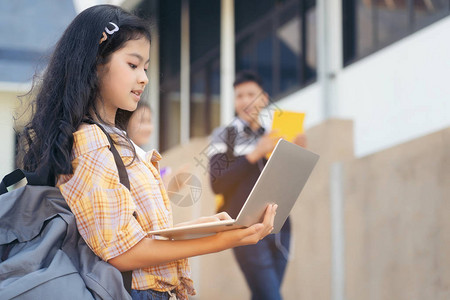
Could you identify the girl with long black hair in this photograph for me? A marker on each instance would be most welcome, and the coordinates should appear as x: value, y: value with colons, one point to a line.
x: 96, y: 77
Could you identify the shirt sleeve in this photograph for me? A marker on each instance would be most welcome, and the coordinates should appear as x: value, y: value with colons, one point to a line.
x: 102, y: 206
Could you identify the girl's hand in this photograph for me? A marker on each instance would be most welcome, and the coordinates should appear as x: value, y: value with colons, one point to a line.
x: 217, y: 217
x: 153, y: 252
x: 250, y: 235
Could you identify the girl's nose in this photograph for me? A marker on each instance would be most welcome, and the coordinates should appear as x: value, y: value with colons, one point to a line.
x: 143, y: 79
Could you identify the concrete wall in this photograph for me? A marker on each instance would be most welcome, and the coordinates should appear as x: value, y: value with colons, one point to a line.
x: 308, y: 274
x: 397, y: 225
x: 396, y: 231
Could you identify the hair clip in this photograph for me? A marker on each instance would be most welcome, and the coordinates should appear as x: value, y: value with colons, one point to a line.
x: 116, y: 28
x: 110, y: 32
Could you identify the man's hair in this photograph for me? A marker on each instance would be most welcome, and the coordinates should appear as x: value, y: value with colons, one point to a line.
x: 247, y: 76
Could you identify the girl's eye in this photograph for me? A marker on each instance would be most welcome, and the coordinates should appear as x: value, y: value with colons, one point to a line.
x: 132, y: 66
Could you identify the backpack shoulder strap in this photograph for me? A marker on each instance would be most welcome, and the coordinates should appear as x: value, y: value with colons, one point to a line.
x: 10, y: 179
x: 123, y: 175
x: 44, y: 177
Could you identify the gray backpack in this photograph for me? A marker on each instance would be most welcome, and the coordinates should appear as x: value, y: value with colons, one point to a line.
x: 42, y: 255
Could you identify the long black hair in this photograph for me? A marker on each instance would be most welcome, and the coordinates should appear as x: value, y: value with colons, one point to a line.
x: 69, y: 88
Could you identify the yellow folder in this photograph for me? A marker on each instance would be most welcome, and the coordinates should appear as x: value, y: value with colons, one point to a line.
x: 288, y: 124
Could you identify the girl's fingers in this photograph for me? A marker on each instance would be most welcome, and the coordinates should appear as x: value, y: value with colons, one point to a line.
x: 254, y: 233
x: 258, y: 231
x: 269, y: 219
x: 223, y: 216
x: 269, y: 216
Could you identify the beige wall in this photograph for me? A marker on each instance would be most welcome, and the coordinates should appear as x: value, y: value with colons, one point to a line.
x: 8, y: 101
x: 397, y: 225
x: 396, y: 234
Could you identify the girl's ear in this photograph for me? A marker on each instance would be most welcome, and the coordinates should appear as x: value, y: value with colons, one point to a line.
x: 101, y: 71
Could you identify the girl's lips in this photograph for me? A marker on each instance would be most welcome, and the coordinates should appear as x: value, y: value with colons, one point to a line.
x: 137, y: 94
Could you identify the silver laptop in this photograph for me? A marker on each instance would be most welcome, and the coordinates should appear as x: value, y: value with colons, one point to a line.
x: 280, y: 182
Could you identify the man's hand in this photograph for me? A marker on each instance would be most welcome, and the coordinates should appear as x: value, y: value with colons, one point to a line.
x: 265, y: 145
x: 300, y: 140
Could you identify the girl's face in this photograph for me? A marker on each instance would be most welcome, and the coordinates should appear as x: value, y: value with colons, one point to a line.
x: 123, y: 79
x: 140, y: 126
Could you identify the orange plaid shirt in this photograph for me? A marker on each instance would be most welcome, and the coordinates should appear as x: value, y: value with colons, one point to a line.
x: 104, y: 208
